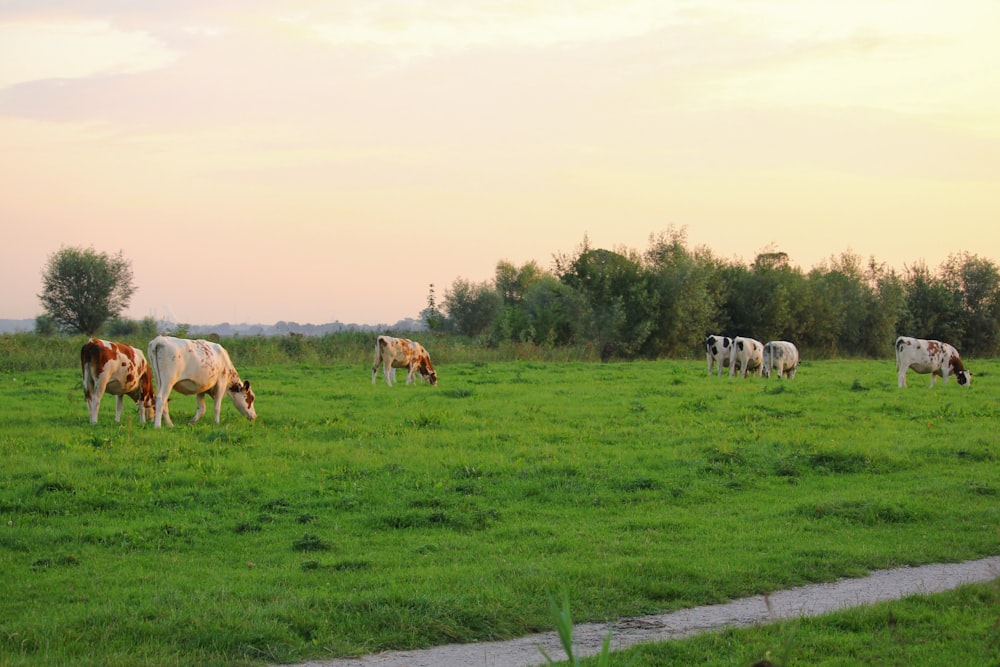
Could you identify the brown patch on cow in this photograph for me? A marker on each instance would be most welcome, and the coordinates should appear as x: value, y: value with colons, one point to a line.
x: 96, y: 354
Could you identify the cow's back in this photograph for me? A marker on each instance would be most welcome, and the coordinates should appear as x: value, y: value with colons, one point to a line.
x: 179, y: 359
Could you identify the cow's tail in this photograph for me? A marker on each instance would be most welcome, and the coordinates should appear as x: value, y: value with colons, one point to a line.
x: 88, y: 363
x: 153, y: 352
x: 379, y: 349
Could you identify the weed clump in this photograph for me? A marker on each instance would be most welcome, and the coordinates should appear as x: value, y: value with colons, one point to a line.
x: 309, y: 542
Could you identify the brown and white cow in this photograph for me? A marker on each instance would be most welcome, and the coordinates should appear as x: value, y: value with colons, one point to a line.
x: 781, y: 356
x: 929, y: 356
x: 747, y: 355
x: 395, y: 353
x: 717, y: 351
x: 117, y: 369
x: 196, y: 367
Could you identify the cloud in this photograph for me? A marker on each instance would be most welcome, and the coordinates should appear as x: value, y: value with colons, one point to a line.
x: 33, y: 51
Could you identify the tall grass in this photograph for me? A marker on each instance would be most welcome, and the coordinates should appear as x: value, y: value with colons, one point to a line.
x: 353, y: 517
x: 28, y: 351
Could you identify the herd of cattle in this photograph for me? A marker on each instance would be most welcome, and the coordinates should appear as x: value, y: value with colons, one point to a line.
x: 203, y: 368
x: 750, y: 356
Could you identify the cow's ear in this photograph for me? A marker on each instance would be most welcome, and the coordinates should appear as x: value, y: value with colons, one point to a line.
x: 246, y: 385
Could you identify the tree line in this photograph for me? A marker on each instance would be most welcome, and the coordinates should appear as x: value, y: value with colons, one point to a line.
x: 629, y: 304
x: 663, y: 301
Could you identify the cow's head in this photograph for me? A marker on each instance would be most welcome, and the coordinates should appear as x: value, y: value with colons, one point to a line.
x: 148, y: 407
x: 243, y: 398
x: 961, y: 374
x: 430, y: 374
x: 147, y: 399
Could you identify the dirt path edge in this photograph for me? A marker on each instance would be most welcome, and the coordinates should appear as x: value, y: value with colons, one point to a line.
x: 811, y: 600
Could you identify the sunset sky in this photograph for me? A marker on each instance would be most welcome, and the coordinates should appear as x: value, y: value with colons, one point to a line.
x: 318, y: 161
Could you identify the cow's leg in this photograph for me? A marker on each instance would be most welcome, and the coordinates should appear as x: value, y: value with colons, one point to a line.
x: 119, y: 406
x: 388, y: 372
x: 375, y: 366
x: 100, y: 387
x: 94, y: 403
x: 166, y: 414
x: 218, y: 405
x: 902, y: 378
x: 201, y: 409
x: 410, y: 371
x: 88, y: 396
x: 162, y: 394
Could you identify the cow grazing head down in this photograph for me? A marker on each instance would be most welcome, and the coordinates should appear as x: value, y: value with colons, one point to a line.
x: 117, y: 369
x: 929, y: 356
x: 394, y: 353
x: 243, y: 398
x: 717, y: 351
x: 198, y: 367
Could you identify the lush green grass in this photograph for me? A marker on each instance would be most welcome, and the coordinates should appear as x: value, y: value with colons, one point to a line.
x: 960, y: 627
x: 352, y: 518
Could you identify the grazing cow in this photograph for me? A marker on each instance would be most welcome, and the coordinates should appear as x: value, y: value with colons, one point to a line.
x: 717, y: 351
x: 781, y: 356
x: 117, y: 369
x: 929, y: 356
x: 747, y: 355
x: 395, y: 353
x: 196, y: 367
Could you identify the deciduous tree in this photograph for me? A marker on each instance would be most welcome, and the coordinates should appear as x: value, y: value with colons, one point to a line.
x: 83, y: 288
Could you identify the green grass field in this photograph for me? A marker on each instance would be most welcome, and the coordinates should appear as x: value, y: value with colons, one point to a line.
x: 352, y: 518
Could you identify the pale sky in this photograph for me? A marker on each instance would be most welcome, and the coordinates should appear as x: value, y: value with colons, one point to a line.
x: 310, y: 162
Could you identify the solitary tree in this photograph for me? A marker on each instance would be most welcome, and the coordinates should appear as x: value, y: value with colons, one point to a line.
x: 82, y: 288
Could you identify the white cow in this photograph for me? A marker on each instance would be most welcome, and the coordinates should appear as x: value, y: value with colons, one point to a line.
x: 395, y: 353
x: 781, y: 356
x: 117, y: 369
x: 717, y: 351
x: 747, y: 355
x: 196, y: 367
x: 929, y: 356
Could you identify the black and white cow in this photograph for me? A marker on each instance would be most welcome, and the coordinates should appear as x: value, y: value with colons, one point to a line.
x: 747, y: 355
x: 717, y: 351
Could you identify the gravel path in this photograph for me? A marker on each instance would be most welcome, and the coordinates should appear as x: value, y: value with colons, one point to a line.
x: 793, y: 603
